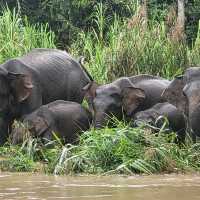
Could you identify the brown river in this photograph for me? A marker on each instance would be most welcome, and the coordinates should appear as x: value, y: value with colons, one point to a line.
x: 162, y: 187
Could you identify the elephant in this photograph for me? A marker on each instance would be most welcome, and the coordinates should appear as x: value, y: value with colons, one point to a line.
x: 156, y: 115
x: 66, y: 119
x: 183, y: 92
x: 37, y: 78
x: 123, y: 97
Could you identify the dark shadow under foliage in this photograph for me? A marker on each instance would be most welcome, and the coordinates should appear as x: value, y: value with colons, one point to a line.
x: 67, y: 18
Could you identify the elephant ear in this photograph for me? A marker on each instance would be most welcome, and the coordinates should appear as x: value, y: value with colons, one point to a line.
x: 21, y: 84
x: 40, y: 125
x: 43, y: 120
x: 192, y: 74
x: 131, y: 98
x: 174, y: 93
x: 90, y: 92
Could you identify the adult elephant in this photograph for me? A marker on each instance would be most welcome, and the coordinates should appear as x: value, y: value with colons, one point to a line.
x: 184, y: 93
x: 37, y: 78
x: 124, y: 97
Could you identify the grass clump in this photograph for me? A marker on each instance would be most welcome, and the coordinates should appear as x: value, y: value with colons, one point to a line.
x: 14, y: 159
x: 128, y: 151
x: 31, y: 156
x: 120, y: 150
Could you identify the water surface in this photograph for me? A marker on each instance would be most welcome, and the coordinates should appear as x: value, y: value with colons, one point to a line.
x: 162, y: 187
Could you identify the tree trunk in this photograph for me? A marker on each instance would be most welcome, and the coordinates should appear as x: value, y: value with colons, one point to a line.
x: 181, y: 14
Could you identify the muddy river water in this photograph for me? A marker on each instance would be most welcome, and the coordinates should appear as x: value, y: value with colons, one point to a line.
x: 162, y: 187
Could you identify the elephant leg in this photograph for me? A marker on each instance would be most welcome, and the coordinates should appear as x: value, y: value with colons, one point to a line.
x: 193, y: 136
x: 191, y: 132
x: 4, y: 130
x: 180, y: 137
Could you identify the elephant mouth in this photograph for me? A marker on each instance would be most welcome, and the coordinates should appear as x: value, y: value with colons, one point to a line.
x: 36, y: 134
x: 106, y: 120
x: 101, y: 123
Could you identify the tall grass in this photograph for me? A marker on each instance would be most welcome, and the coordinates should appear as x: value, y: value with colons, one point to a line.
x: 147, y: 51
x: 130, y: 47
x: 17, y: 36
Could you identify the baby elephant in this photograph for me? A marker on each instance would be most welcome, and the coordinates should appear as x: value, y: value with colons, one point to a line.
x: 156, y: 116
x: 67, y: 119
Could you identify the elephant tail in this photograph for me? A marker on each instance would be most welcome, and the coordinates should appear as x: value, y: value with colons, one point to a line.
x: 81, y: 62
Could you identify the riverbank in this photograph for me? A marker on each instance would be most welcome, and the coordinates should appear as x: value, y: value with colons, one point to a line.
x: 121, y: 150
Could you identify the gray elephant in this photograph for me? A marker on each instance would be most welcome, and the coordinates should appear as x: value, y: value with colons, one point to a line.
x: 184, y: 93
x: 156, y: 116
x: 37, y: 78
x: 123, y: 97
x: 67, y: 119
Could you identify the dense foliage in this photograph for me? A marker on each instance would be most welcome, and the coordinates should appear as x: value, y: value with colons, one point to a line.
x: 67, y: 18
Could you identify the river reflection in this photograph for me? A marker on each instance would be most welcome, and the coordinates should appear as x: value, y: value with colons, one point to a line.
x: 164, y: 187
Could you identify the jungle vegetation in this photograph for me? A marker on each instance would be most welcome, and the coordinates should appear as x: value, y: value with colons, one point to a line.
x: 117, y: 38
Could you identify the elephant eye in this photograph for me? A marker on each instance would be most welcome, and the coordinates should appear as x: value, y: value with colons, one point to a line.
x: 115, y: 95
x: 3, y: 95
x: 113, y: 106
x: 31, y: 129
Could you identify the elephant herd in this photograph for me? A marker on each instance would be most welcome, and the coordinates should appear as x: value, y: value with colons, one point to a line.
x: 43, y: 90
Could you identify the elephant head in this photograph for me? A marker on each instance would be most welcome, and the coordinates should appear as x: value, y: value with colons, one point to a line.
x: 40, y: 123
x: 184, y: 93
x: 145, y: 117
x: 174, y: 93
x: 114, y: 99
x: 14, y: 88
x: 37, y: 125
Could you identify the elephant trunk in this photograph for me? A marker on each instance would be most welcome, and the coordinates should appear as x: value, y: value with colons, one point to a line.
x: 194, y: 117
x: 100, y: 120
x: 19, y: 133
